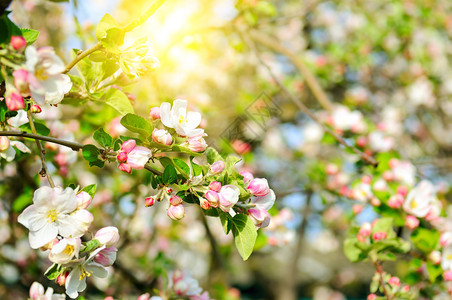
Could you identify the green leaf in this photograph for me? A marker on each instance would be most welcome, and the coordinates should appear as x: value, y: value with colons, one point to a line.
x: 231, y: 160
x: 137, y: 124
x: 103, y: 138
x: 29, y: 35
x: 433, y: 271
x: 90, y: 153
x: 23, y: 200
x: 182, y: 167
x: 52, y: 272
x: 40, y: 128
x: 98, y: 56
x: 119, y: 101
x: 212, y: 155
x: 385, y: 225
x: 107, y: 22
x: 424, y: 239
x: 352, y: 252
x: 165, y: 161
x: 90, y: 189
x: 227, y: 225
x: 8, y: 29
x: 245, y: 234
x: 91, y: 245
x: 114, y: 38
x: 197, y: 170
x: 169, y: 175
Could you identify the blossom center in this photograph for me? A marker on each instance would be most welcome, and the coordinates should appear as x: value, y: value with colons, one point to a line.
x: 449, y: 257
x: 413, y: 204
x: 68, y: 250
x: 182, y: 119
x: 41, y: 74
x: 84, y: 273
x: 52, y: 215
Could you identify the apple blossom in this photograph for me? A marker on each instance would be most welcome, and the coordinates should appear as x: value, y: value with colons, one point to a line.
x: 372, y: 297
x: 217, y: 167
x: 37, y: 293
x: 446, y: 260
x: 357, y: 208
x: 419, y: 200
x: 83, y: 200
x: 362, y: 192
x: 149, y: 201
x: 14, y: 100
x: 185, y: 285
x: 380, y: 235
x: 175, y: 200
x: 259, y: 213
x: 258, y: 187
x: 177, y: 117
x: 161, y: 136
x: 247, y: 176
x: 215, y: 186
x: 61, y: 279
x: 395, y: 201
x: 65, y: 250
x: 229, y: 195
x: 18, y: 42
x: 46, y: 83
x: 196, y: 143
x: 176, y: 212
x: 435, y: 257
x: 21, y: 82
x: 411, y: 222
x: 213, y: 198
x: 364, y: 231
x: 204, y: 203
x: 445, y: 239
x: 394, y: 281
x: 447, y: 275
x: 106, y: 257
x: 51, y: 214
x: 107, y: 236
x: 35, y: 109
x: 154, y: 113
x: 132, y: 156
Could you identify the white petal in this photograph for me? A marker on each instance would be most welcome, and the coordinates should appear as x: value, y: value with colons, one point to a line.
x: 69, y: 227
x: 193, y: 119
x: 19, y: 119
x: 265, y: 202
x: 32, y: 58
x: 73, y: 282
x: 42, y: 195
x: 20, y: 146
x: 193, y: 132
x: 165, y: 114
x: 24, y: 217
x: 43, y: 236
x: 97, y: 269
x: 9, y: 154
x: 65, y: 201
x: 179, y: 108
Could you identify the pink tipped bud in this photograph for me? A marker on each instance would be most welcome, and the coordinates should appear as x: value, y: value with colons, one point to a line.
x: 361, y: 141
x: 402, y: 190
x: 154, y: 113
x: 4, y: 143
x: 175, y: 200
x: 357, y: 208
x: 406, y: 288
x: 106, y: 257
x: 144, y: 297
x: 21, y: 81
x: 447, y: 276
x: 395, y: 201
x: 371, y: 297
x: 61, y: 279
x: 161, y: 136
x: 445, y: 239
x: 149, y: 201
x: 375, y: 201
x: 247, y: 176
x: 128, y: 146
x: 394, y: 281
x: 83, y: 200
x: 365, y: 230
x: 366, y: 179
x: 435, y: 257
x: 125, y: 168
x: 176, y: 212
x: 196, y: 143
x: 35, y: 109
x: 215, y: 186
x: 411, y: 222
x: 213, y: 198
x: 14, y: 100
x: 18, y: 43
x: 388, y: 176
x: 380, y: 235
x: 331, y: 169
x: 204, y: 203
x: 217, y: 167
x: 258, y: 187
x: 107, y: 236
x: 122, y: 157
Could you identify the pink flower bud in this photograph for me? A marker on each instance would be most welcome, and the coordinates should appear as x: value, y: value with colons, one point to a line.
x: 149, y: 201
x: 196, y: 143
x: 83, y: 200
x: 161, y: 136
x: 176, y: 212
x: 213, y: 198
x: 215, y: 186
x: 14, y: 100
x: 366, y: 179
x: 217, y: 167
x: 331, y: 169
x: 258, y: 187
x: 357, y: 208
x: 107, y: 236
x: 394, y: 281
x: 447, y: 276
x: 18, y: 43
x: 4, y: 143
x: 204, y: 203
x: 406, y: 288
x: 445, y: 239
x: 106, y: 257
x: 435, y: 257
x: 36, y: 291
x: 122, y: 157
x: 375, y: 201
x: 365, y: 230
x: 380, y: 235
x: 260, y: 217
x: 154, y: 113
x: 175, y: 200
x: 128, y: 145
x: 125, y: 168
x: 21, y: 81
x: 402, y: 190
x: 35, y: 109
x: 361, y: 141
x: 395, y: 201
x: 247, y: 176
x: 388, y: 176
x: 411, y: 222
x: 144, y: 297
x: 61, y: 279
x: 372, y: 297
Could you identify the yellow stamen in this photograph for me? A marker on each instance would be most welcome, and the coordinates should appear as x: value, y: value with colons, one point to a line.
x: 449, y: 257
x: 84, y: 274
x: 52, y: 215
x: 413, y: 204
x: 68, y: 250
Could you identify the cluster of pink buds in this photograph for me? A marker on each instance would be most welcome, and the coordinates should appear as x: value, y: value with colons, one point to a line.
x: 175, y: 210
x: 131, y: 156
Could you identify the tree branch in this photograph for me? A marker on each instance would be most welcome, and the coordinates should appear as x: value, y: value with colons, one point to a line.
x: 73, y: 145
x: 81, y: 55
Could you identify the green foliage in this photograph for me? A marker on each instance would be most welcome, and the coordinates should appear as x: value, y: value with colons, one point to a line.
x: 40, y: 128
x: 91, y: 154
x: 425, y: 240
x: 137, y: 124
x: 212, y: 155
x: 182, y: 167
x: 29, y: 35
x: 53, y: 271
x: 8, y: 29
x: 109, y: 33
x: 103, y: 138
x: 90, y: 189
x: 119, y: 101
x: 90, y: 246
x: 169, y: 175
x: 245, y: 234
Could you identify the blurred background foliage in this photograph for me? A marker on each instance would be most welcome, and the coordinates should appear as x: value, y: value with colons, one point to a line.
x: 388, y: 59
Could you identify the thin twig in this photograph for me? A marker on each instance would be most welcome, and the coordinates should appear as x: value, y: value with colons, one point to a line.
x: 382, y: 282
x: 306, y: 110
x: 73, y: 145
x: 81, y: 55
x: 151, y: 169
x: 312, y: 82
x: 44, y: 170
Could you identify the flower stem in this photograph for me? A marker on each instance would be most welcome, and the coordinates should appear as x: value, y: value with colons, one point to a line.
x: 44, y: 171
x: 82, y: 55
x: 74, y: 146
